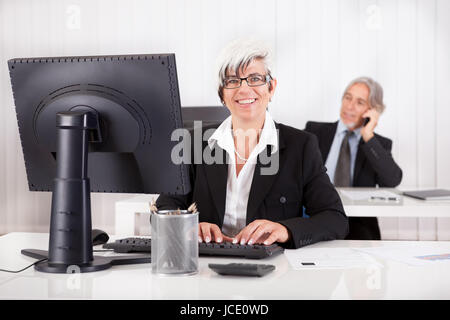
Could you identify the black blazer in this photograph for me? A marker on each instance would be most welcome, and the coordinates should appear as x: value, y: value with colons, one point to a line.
x: 301, y: 180
x: 374, y: 165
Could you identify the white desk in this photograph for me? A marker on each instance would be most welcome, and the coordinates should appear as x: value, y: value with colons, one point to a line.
x: 394, y: 280
x: 129, y: 211
x: 407, y: 207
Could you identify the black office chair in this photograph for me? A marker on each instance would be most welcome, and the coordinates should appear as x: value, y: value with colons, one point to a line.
x: 208, y: 115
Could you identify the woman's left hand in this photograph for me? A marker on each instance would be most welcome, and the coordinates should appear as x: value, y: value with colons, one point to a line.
x: 262, y: 232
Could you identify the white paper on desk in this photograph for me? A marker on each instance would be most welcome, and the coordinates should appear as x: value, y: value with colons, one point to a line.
x: 414, y: 255
x: 300, y: 259
x: 359, y: 195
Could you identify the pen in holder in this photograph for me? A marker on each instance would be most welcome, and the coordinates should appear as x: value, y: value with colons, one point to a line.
x: 174, y: 243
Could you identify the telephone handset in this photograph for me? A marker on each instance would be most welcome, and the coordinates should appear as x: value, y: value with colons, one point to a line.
x: 366, y: 121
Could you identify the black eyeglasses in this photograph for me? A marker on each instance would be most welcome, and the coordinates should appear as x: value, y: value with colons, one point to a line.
x: 253, y: 80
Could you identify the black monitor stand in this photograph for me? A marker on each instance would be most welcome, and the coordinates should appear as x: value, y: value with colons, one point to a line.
x: 70, y: 242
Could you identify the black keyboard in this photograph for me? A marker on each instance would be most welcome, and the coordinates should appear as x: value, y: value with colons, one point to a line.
x: 255, y: 251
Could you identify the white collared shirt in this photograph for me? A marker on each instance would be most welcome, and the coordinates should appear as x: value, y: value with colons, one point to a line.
x: 238, y: 188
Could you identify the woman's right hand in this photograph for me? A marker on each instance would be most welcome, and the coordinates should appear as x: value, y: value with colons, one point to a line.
x: 208, y: 232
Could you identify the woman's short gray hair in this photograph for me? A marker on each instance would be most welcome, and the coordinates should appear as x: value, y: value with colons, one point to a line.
x: 237, y: 55
x: 375, y: 92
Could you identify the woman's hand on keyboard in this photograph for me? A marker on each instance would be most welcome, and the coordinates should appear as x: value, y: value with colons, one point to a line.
x: 208, y: 232
x: 262, y: 232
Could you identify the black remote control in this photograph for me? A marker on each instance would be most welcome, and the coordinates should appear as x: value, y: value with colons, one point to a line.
x: 242, y: 269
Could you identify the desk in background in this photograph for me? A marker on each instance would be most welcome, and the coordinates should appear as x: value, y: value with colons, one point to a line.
x: 389, y: 280
x: 130, y: 212
x: 407, y: 207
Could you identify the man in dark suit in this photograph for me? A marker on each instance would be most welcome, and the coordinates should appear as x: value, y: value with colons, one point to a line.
x: 252, y: 176
x: 355, y: 156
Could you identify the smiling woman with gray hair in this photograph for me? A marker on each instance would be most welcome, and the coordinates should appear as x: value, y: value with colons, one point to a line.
x: 237, y: 199
x: 240, y: 53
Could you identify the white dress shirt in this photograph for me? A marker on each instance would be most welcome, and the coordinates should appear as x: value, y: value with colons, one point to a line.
x: 238, y: 187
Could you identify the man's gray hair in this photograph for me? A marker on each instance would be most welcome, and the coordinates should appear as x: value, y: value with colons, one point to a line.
x: 375, y: 92
x: 237, y: 55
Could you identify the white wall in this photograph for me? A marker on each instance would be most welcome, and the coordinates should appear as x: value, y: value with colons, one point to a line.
x: 319, y: 46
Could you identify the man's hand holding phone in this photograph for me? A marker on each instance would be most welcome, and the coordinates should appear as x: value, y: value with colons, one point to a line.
x: 367, y: 129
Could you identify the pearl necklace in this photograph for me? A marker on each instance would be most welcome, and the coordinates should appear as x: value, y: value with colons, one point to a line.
x: 239, y: 156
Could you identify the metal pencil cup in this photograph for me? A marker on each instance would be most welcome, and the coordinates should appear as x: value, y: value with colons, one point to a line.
x: 174, y: 242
